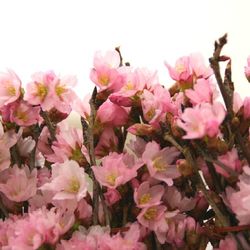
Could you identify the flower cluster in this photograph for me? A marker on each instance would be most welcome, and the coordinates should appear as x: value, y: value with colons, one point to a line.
x: 150, y: 167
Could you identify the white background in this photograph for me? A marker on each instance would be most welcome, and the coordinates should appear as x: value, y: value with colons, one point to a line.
x: 63, y: 35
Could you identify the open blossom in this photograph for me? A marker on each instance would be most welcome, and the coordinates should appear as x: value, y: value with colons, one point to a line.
x: 149, y: 217
x: 146, y: 196
x: 136, y: 81
x: 117, y: 169
x: 68, y: 145
x: 203, y: 91
x: 39, y: 91
x: 105, y: 73
x: 68, y: 181
x: 160, y: 162
x: 24, y: 114
x: 156, y: 104
x: 10, y: 88
x: 18, y: 184
x: 63, y: 94
x: 231, y: 160
x: 201, y: 120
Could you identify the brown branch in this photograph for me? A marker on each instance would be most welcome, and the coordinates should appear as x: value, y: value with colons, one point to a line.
x: 120, y: 55
x: 187, y: 154
x: 51, y: 127
x: 88, y: 137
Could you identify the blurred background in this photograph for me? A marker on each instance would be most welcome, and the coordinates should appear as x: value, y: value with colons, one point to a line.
x: 63, y: 35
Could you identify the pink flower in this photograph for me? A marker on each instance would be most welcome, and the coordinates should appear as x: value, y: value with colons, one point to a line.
x: 182, y: 70
x: 115, y: 170
x: 18, y: 184
x: 112, y: 114
x: 160, y: 162
x: 84, y: 210
x: 68, y: 181
x: 136, y: 82
x: 231, y: 160
x: 247, y: 69
x: 237, y: 102
x: 105, y: 73
x: 112, y: 196
x: 67, y: 146
x: 202, y: 120
x: 202, y: 92
x: 239, y: 201
x: 146, y: 196
x: 227, y: 244
x: 156, y: 104
x: 39, y: 91
x: 24, y: 114
x: 149, y: 217
x: 62, y: 92
x: 10, y: 88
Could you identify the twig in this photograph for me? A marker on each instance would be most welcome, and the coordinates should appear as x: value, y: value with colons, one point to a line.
x: 50, y: 125
x: 3, y: 209
x: 15, y: 155
x: 227, y: 88
x: 88, y: 137
x: 120, y: 55
x: 187, y: 154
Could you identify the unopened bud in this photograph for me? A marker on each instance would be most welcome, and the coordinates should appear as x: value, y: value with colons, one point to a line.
x: 184, y: 168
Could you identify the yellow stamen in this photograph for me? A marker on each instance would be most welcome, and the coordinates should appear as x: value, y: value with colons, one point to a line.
x: 150, y: 214
x: 42, y: 91
x: 60, y: 90
x: 111, y: 179
x: 74, y: 186
x: 104, y: 80
x: 145, y: 199
x: 11, y: 91
x: 159, y: 164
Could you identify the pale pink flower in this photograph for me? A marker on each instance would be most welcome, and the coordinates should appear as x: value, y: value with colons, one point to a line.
x: 24, y: 114
x: 231, y: 160
x: 112, y: 196
x: 197, y: 63
x: 105, y: 73
x: 160, y: 162
x: 67, y: 146
x: 108, y: 142
x: 10, y: 87
x: 156, y: 104
x: 174, y: 200
x: 237, y: 102
x: 182, y: 70
x: 68, y: 181
x: 4, y: 156
x: 141, y: 129
x: 228, y: 243
x: 137, y: 146
x: 149, y: 217
x: 62, y: 92
x: 146, y: 196
x: 201, y: 92
x: 114, y: 170
x: 136, y: 82
x: 247, y: 69
x: 111, y: 114
x: 25, y: 145
x: 84, y: 210
x: 239, y: 201
x: 18, y: 184
x: 201, y: 120
x: 39, y: 91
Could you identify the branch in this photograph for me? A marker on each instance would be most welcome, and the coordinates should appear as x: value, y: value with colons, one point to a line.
x: 49, y: 124
x: 88, y: 137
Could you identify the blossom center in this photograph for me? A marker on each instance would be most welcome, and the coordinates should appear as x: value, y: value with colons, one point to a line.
x: 104, y: 80
x: 74, y: 186
x: 111, y: 179
x: 145, y: 198
x: 159, y: 164
x: 60, y: 90
x: 11, y: 91
x: 21, y: 115
x: 150, y: 214
x: 42, y: 91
